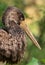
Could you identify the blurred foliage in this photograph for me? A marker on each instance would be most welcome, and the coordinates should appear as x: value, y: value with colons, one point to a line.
x: 34, y: 12
x: 33, y: 61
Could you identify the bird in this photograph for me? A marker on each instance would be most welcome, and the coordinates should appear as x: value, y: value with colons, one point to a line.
x: 12, y: 36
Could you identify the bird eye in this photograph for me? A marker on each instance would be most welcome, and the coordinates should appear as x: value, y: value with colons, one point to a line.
x: 21, y: 17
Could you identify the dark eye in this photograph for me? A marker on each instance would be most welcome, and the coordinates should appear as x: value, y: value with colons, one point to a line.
x: 21, y: 17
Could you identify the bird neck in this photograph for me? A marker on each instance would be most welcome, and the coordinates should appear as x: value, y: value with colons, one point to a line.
x: 14, y: 29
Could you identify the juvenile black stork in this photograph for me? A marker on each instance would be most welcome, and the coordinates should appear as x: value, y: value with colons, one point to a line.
x: 12, y: 37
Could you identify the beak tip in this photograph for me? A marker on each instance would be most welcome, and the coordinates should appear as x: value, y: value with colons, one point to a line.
x: 39, y: 47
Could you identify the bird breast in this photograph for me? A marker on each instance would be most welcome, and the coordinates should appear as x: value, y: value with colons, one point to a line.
x: 12, y: 47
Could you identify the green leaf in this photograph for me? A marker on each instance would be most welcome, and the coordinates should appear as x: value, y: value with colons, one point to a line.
x: 34, y: 61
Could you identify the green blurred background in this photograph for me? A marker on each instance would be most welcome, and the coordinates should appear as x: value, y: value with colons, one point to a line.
x: 34, y: 12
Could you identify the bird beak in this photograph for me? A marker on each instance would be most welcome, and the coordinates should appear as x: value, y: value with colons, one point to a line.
x: 29, y: 33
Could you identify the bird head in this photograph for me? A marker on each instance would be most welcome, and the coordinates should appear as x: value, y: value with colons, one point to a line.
x: 12, y: 14
x: 15, y: 15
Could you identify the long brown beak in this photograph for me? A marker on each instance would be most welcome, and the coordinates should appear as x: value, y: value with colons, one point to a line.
x: 30, y: 35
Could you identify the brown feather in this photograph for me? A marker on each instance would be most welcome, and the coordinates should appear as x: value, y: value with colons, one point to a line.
x: 11, y: 47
